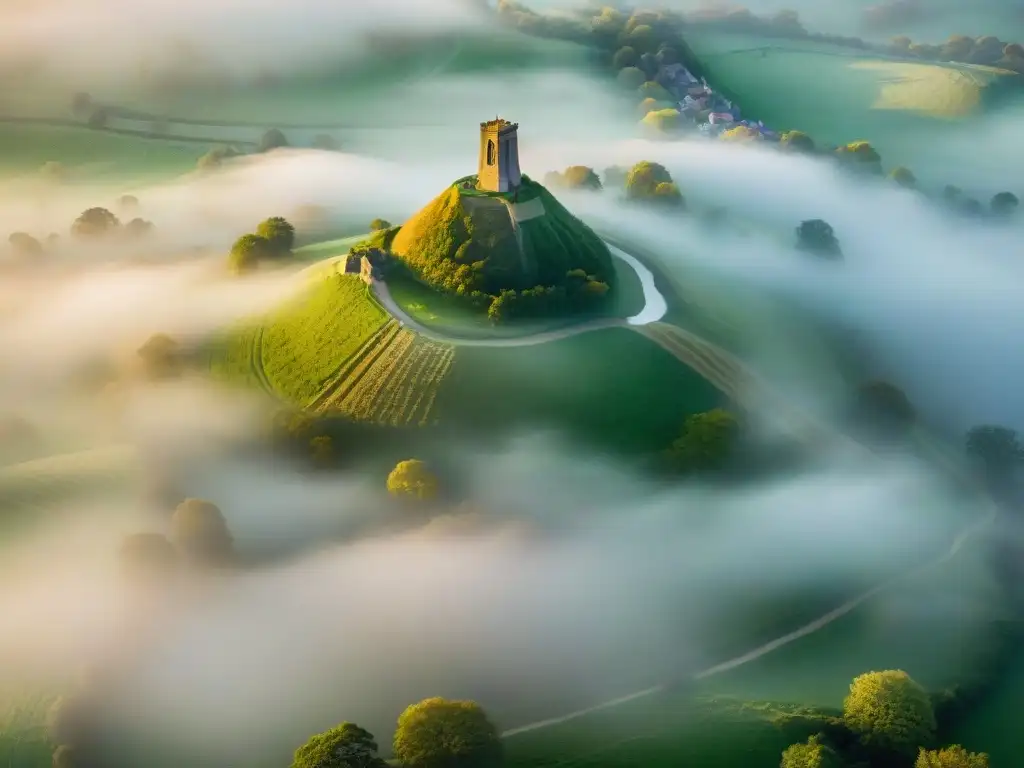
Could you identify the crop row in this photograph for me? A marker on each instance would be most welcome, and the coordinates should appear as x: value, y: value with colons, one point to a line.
x: 408, y: 398
x: 361, y: 394
x: 354, y: 367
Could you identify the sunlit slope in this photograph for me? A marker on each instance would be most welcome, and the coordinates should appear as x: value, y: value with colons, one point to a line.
x: 334, y: 351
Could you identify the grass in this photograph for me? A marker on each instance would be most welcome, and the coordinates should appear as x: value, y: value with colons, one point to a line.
x: 668, y: 729
x: 994, y: 725
x: 936, y: 91
x: 24, y: 742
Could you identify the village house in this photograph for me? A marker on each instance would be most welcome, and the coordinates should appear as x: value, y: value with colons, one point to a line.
x: 369, y: 264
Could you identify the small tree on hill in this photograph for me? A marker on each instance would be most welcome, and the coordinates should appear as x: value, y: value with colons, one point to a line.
x: 379, y: 224
x: 904, y: 177
x: 580, y: 177
x: 644, y: 177
x: 813, y: 753
x: 412, y: 479
x: 890, y: 712
x: 951, y: 757
x: 797, y: 141
x: 279, y: 234
x: 439, y: 733
x: 667, y: 194
x: 708, y: 441
x: 247, y: 252
x: 663, y: 121
x: 99, y: 118
x: 95, y: 222
x: 1004, y: 203
x: 23, y: 244
x: 201, y: 533
x: 817, y: 236
x: 860, y: 155
x: 272, y: 139
x: 344, y: 746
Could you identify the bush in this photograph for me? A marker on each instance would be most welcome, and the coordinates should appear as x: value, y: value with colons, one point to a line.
x: 708, y: 441
x: 817, y: 236
x: 643, y: 178
x: 631, y: 77
x: 664, y: 121
x: 860, y: 155
x: 201, y: 533
x: 666, y: 193
x: 904, y: 177
x: 247, y: 252
x: 574, y: 177
x: 625, y: 57
x: 279, y: 234
x: 890, y: 712
x: 1004, y: 203
x: 326, y: 142
x: 741, y: 134
x: 272, y: 139
x: 439, y: 733
x: 813, y: 753
x: 951, y: 757
x: 23, y: 244
x: 653, y: 90
x: 95, y: 222
x: 412, y: 479
x: 344, y: 746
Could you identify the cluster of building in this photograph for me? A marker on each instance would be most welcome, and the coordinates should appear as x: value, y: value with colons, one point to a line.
x: 709, y: 111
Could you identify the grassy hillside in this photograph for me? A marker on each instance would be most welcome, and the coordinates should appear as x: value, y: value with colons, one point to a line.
x: 461, y: 234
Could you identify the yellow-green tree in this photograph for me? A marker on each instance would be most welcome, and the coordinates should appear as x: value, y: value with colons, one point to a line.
x: 247, y: 252
x: 279, y: 234
x: 797, y: 141
x: 707, y: 442
x: 904, y: 177
x: 412, y: 479
x: 663, y: 120
x: 344, y: 746
x: 951, y: 757
x: 440, y: 733
x: 889, y: 711
x: 741, y: 133
x: 813, y: 753
x: 644, y: 177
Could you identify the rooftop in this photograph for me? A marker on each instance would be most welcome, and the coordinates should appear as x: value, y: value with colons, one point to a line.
x: 500, y: 123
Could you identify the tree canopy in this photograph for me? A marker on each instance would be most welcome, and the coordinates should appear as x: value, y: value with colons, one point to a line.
x: 643, y: 179
x: 813, y: 753
x: 625, y: 57
x: 343, y: 746
x: 279, y: 234
x: 904, y: 177
x: 884, y: 409
x: 889, y: 711
x: 201, y: 532
x: 707, y: 442
x: 632, y: 77
x: 379, y: 224
x: 997, y: 448
x: 95, y: 222
x: 951, y: 757
x: 272, y: 139
x: 575, y: 177
x: 412, y: 479
x: 161, y: 356
x: 1004, y: 203
x: 797, y: 141
x: 247, y: 252
x: 817, y: 236
x: 23, y: 244
x: 440, y: 733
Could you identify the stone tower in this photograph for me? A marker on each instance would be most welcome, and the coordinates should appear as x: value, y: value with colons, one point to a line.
x: 499, y: 156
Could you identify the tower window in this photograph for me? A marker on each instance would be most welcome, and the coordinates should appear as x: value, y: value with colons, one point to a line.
x: 490, y: 152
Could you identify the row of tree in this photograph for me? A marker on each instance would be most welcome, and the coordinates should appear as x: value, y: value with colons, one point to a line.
x: 273, y: 239
x: 93, y: 224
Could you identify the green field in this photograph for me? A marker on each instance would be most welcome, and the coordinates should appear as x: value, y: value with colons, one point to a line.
x: 24, y: 742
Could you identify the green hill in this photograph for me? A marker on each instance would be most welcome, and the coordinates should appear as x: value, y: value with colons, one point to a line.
x: 465, y: 240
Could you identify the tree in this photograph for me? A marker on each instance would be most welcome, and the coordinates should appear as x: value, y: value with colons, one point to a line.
x: 741, y: 134
x: 653, y: 90
x: 379, y: 224
x: 707, y: 442
x: 860, y: 155
x: 997, y: 449
x: 321, y: 450
x: 884, y: 409
x: 625, y: 57
x: 642, y: 38
x: 95, y: 222
x: 215, y: 157
x: 146, y: 555
x: 247, y: 252
x: 439, y: 733
x: 664, y: 121
x: 951, y: 757
x: 817, y: 236
x: 1014, y: 51
x: 580, y: 177
x: 631, y: 77
x: 812, y: 753
x: 128, y: 203
x: 890, y: 712
x: 412, y: 479
x: 343, y: 746
x: 201, y: 533
x: 666, y: 193
x: 161, y: 357
x: 1004, y: 203
x: 904, y: 177
x: 643, y: 178
x: 279, y: 234
x: 272, y: 139
x: 952, y: 194
x: 326, y: 142
x: 23, y: 244
x: 138, y: 228
x: 66, y: 756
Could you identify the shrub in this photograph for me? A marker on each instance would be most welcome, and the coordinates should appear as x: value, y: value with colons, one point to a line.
x: 811, y: 754
x: 631, y: 77
x: 344, y: 746
x: 642, y: 37
x: 247, y: 252
x: 644, y: 177
x: 279, y: 234
x: 708, y: 441
x: 653, y: 90
x: 951, y: 757
x: 904, y: 177
x: 1004, y: 203
x: 272, y: 139
x: 412, y: 479
x: 664, y: 121
x: 741, y: 134
x: 890, y: 712
x: 667, y: 193
x: 817, y: 236
x: 201, y: 533
x: 860, y: 155
x: 95, y: 222
x: 23, y: 244
x: 625, y: 57
x: 439, y: 733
